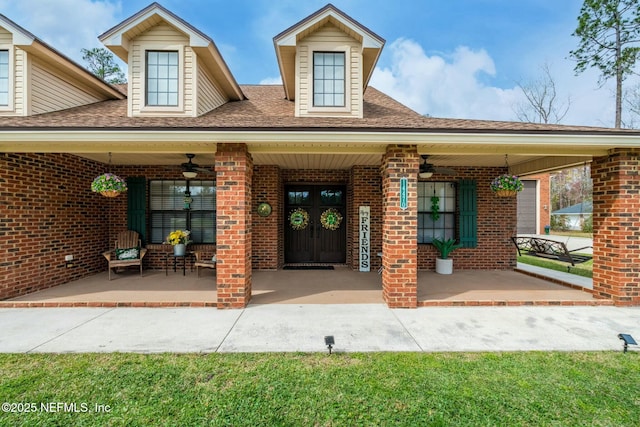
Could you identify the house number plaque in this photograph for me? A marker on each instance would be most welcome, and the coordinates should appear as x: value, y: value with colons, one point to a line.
x: 403, y: 193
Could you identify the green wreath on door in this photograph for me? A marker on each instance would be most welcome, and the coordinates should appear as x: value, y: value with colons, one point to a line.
x: 331, y: 219
x: 299, y: 219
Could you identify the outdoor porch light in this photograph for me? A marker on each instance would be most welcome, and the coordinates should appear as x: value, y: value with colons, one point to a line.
x: 628, y: 340
x: 189, y: 174
x: 329, y: 342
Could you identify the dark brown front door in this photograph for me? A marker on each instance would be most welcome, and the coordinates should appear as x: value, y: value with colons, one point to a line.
x: 307, y: 239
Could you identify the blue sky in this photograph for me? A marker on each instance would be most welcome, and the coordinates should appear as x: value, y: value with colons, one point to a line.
x: 445, y: 58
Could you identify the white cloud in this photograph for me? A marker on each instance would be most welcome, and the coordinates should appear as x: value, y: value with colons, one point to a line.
x: 271, y: 81
x: 444, y: 86
x: 454, y: 85
x: 66, y: 25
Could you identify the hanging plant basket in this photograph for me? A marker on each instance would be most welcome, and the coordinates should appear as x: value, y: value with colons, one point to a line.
x: 331, y: 219
x: 109, y: 185
x: 299, y: 219
x: 506, y: 185
x: 110, y: 193
x: 506, y: 193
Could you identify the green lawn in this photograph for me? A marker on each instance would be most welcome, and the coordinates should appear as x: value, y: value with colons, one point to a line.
x: 584, y: 269
x: 474, y: 389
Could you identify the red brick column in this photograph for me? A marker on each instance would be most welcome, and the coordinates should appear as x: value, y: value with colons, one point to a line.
x: 616, y: 226
x: 400, y: 228
x: 234, y: 171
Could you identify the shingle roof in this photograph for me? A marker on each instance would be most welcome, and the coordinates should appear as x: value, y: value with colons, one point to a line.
x: 580, y: 208
x: 267, y: 109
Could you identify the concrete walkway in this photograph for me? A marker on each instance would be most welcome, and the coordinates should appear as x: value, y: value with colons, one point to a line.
x: 296, y: 327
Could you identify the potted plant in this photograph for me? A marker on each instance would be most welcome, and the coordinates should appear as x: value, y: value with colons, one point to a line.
x: 179, y: 239
x: 506, y: 185
x: 109, y: 185
x: 444, y: 265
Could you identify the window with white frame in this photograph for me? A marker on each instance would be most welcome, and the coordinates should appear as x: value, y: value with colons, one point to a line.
x: 436, y: 211
x: 183, y: 205
x: 329, y: 79
x: 162, y: 78
x: 4, y: 78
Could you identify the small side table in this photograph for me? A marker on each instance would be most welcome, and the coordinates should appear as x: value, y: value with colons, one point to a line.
x: 184, y: 257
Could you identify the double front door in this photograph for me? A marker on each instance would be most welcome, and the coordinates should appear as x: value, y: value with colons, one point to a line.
x: 315, y: 224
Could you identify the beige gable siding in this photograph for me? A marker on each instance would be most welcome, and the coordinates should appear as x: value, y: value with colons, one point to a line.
x: 49, y: 91
x: 6, y: 37
x: 19, y: 83
x: 160, y: 37
x: 328, y: 38
x: 209, y: 95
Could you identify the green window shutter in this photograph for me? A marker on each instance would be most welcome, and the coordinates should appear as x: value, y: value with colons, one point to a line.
x: 468, y: 208
x: 136, y: 205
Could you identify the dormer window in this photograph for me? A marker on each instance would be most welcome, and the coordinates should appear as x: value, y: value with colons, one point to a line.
x: 162, y: 78
x: 328, y: 79
x: 4, y: 78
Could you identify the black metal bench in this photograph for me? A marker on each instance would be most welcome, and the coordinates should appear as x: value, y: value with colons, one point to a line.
x: 551, y: 249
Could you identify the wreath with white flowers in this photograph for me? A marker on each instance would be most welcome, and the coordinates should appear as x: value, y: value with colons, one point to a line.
x: 299, y: 219
x: 331, y: 219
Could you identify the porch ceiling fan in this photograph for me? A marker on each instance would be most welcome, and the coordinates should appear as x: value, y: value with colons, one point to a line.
x: 428, y: 169
x: 190, y: 170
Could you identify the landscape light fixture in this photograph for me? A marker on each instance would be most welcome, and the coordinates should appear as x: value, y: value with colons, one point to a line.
x: 329, y: 342
x: 628, y: 340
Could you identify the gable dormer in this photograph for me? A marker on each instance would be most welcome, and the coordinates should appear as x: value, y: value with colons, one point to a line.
x: 173, y: 68
x: 36, y: 79
x: 326, y: 61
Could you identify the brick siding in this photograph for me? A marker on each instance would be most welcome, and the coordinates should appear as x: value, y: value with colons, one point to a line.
x: 616, y: 225
x: 49, y: 211
x: 234, y: 172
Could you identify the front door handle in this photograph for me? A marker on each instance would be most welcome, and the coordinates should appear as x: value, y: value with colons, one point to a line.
x: 311, y: 228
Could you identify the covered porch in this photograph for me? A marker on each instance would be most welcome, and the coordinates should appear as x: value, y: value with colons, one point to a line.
x: 339, y: 286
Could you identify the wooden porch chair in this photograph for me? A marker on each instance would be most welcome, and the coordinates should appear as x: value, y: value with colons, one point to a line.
x: 128, y: 251
x: 204, y: 261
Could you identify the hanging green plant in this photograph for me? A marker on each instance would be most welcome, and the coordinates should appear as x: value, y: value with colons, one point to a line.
x: 435, y: 208
x: 331, y: 219
x: 299, y: 219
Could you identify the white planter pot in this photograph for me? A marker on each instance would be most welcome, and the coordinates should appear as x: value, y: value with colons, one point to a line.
x: 444, y: 266
x: 180, y: 249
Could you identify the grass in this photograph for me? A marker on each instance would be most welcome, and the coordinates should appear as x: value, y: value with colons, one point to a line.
x: 584, y: 269
x: 572, y: 233
x: 465, y: 389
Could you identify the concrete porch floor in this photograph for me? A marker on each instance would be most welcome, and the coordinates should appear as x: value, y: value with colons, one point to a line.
x: 339, y: 286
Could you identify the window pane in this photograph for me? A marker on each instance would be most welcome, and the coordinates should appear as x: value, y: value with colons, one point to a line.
x: 162, y: 78
x: 445, y: 225
x: 328, y: 79
x: 168, y: 213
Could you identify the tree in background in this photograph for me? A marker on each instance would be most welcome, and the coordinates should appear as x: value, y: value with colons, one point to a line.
x: 542, y: 104
x: 570, y: 187
x: 609, y: 32
x: 632, y: 104
x: 102, y: 63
